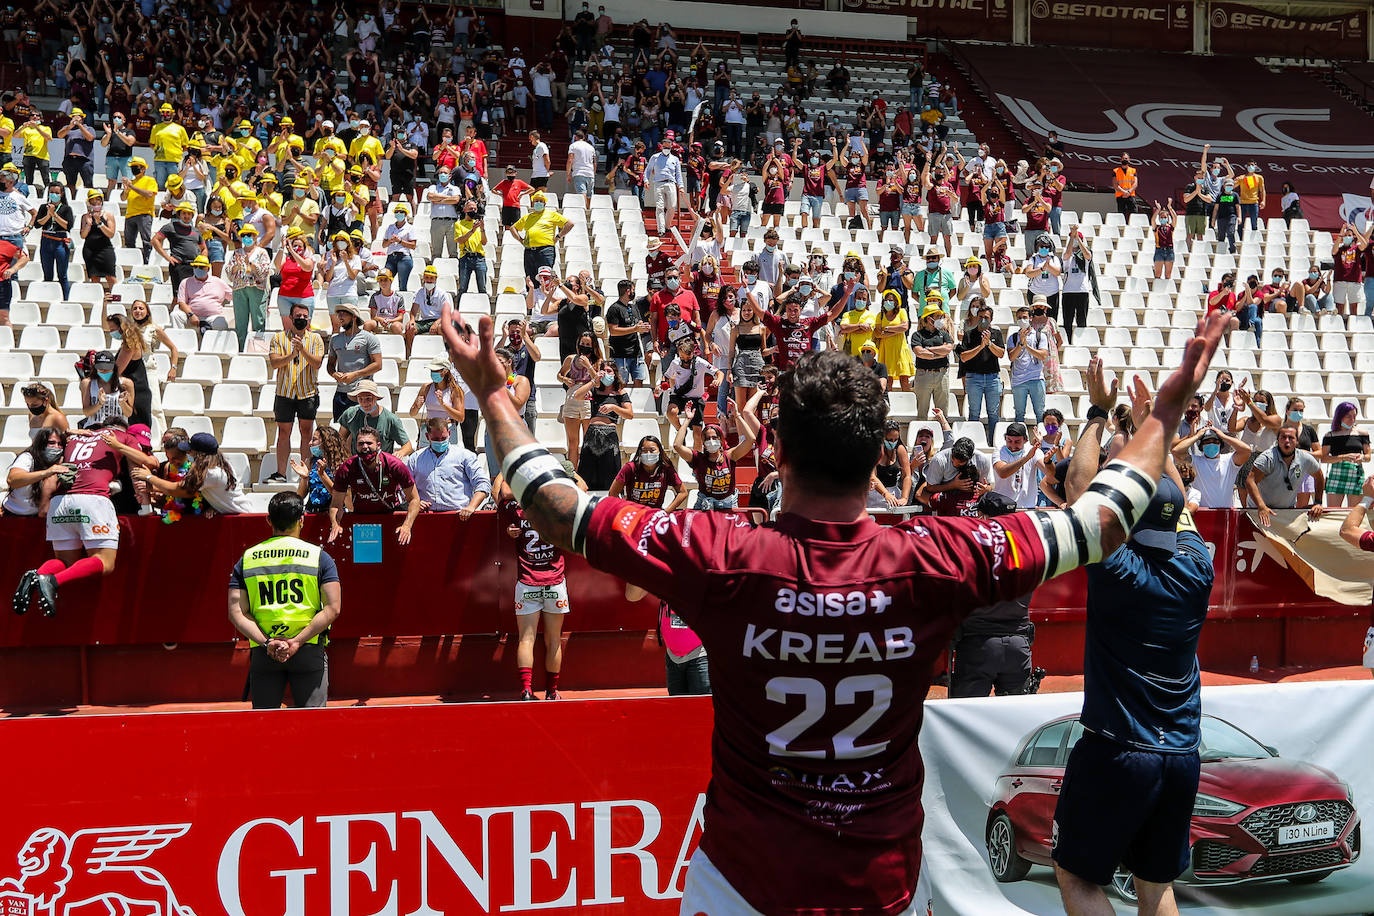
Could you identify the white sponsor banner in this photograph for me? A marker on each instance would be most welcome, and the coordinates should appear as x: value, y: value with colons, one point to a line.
x: 1356, y: 210
x: 1296, y: 756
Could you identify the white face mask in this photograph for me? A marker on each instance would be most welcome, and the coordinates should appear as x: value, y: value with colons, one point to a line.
x: 429, y: 286
x: 712, y: 446
x: 649, y: 459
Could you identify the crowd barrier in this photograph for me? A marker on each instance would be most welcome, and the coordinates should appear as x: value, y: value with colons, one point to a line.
x: 591, y: 805
x: 434, y: 617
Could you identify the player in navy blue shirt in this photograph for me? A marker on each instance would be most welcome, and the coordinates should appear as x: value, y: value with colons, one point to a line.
x: 1131, y: 780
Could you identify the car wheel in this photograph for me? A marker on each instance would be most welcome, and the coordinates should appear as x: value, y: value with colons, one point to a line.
x: 1123, y: 882
x: 1309, y: 879
x: 1007, y: 864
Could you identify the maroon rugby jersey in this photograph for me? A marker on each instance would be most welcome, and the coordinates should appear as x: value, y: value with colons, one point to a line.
x: 96, y: 463
x: 793, y: 337
x: 539, y: 562
x: 822, y: 638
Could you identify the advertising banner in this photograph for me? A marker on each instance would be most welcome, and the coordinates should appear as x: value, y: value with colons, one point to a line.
x: 1105, y: 103
x: 1240, y: 29
x: 1288, y: 762
x: 596, y: 806
x: 1161, y: 25
x: 976, y: 20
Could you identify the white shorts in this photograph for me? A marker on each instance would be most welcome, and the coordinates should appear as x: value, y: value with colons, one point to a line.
x: 82, y: 520
x: 531, y: 599
x: 707, y: 891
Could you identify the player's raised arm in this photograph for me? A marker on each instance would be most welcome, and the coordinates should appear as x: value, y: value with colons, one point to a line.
x: 551, y: 499
x: 1099, y: 521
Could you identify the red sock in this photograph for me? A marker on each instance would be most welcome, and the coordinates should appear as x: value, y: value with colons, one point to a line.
x: 526, y: 678
x: 54, y: 566
x: 84, y: 568
x: 550, y: 681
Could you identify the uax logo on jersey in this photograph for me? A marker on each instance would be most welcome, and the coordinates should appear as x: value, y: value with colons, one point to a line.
x: 488, y: 860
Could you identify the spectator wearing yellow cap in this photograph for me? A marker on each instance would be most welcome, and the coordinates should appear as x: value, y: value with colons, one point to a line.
x: 538, y: 231
x: 168, y: 140
x: 932, y: 343
x: 398, y: 240
x: 342, y: 267
x: 249, y: 272
x: 300, y: 211
x: 79, y: 147
x: 244, y: 146
x: 233, y: 190
x: 364, y: 142
x: 268, y: 197
x: 341, y: 213
x: 179, y: 242
x: 98, y: 232
x: 175, y: 195
x: 16, y: 210
x: 429, y: 302
x: 284, y: 146
x: 35, y: 135
x: 141, y: 192
x: 201, y: 299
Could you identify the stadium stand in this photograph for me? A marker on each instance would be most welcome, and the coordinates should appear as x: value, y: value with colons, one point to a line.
x: 393, y: 84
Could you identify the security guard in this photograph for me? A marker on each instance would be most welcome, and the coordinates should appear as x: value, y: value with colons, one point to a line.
x: 284, y: 595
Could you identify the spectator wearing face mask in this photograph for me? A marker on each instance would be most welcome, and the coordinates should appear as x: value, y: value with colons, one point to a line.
x: 1347, y: 256
x: 179, y: 242
x: 981, y: 351
x: 1226, y: 213
x: 249, y: 272
x: 296, y: 353
x: 42, y: 406
x: 1014, y: 468
x: 1216, y: 470
x: 1028, y: 348
x: 931, y: 346
x: 1346, y: 449
x: 685, y: 379
x: 448, y: 479
x: 856, y: 323
x: 1197, y: 204
x: 934, y: 276
x: 539, y: 230
x: 327, y: 452
x: 714, y: 465
x: 354, y: 354
x: 1044, y: 269
x: 889, y: 334
x: 398, y: 240
x: 1224, y: 298
x: 646, y: 479
x: 201, y: 299
x: 890, y: 484
x: 370, y: 413
x: 1251, y: 193
x: 378, y: 482
x: 1280, y: 475
x: 1314, y: 290
x: 1163, y: 220
x: 29, y: 479
x: 429, y: 302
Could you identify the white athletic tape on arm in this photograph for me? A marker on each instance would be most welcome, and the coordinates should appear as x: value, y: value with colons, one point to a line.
x: 1073, y: 537
x: 529, y: 468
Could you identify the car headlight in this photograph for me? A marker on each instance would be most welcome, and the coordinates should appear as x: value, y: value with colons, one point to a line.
x: 1211, y: 806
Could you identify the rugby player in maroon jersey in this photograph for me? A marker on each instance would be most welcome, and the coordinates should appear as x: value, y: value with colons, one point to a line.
x: 82, y: 525
x: 822, y: 627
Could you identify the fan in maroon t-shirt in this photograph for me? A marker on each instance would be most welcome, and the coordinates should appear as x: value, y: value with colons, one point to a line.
x: 792, y: 333
x: 822, y: 628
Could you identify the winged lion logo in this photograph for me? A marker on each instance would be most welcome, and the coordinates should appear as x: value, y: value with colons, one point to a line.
x: 95, y: 871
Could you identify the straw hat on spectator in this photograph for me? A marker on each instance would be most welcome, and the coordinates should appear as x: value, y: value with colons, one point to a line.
x: 367, y: 386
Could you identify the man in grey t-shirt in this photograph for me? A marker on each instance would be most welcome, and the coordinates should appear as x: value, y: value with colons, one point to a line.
x: 1278, y: 474
x: 961, y: 469
x: 354, y: 354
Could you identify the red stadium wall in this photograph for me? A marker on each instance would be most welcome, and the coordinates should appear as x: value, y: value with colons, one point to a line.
x: 500, y: 808
x: 435, y: 618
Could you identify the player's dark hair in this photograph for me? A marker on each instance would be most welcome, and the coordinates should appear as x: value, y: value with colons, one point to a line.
x: 831, y: 416
x: 284, y: 510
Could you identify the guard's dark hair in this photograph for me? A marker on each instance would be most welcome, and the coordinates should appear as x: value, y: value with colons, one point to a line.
x: 831, y: 416
x: 284, y: 510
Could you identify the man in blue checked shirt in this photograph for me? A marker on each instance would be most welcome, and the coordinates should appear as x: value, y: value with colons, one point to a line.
x: 665, y: 175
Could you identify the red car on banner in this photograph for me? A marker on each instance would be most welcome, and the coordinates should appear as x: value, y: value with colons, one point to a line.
x: 1257, y: 817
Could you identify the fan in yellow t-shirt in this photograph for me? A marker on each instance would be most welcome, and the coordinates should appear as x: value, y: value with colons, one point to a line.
x: 168, y: 139
x: 365, y: 143
x: 141, y: 190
